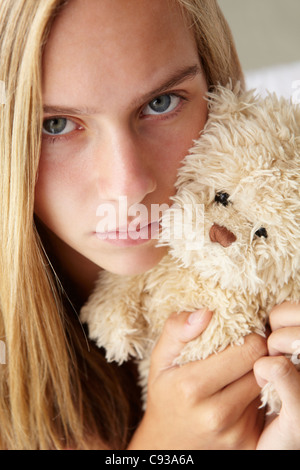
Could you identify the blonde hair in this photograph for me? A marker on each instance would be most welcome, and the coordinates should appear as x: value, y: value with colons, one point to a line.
x: 215, y: 42
x: 48, y: 393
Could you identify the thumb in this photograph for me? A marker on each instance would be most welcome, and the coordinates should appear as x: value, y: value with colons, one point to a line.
x: 178, y: 330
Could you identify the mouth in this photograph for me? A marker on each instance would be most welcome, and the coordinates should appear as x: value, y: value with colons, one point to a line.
x: 132, y: 234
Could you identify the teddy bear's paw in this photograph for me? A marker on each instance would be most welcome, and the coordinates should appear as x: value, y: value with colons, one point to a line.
x: 124, y: 347
x: 270, y: 399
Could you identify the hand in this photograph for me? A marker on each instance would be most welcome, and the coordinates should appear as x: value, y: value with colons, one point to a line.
x: 282, y: 432
x: 208, y: 404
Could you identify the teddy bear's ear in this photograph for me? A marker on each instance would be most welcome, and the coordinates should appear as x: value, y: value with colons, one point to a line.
x: 225, y: 102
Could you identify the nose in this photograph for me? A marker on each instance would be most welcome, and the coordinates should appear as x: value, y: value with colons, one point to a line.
x: 222, y: 235
x: 129, y: 169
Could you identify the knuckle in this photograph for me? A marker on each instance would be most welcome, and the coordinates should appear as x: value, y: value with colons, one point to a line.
x: 215, y: 418
x: 188, y: 391
x: 256, y: 347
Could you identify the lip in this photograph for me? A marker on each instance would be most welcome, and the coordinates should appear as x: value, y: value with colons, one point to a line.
x: 124, y: 237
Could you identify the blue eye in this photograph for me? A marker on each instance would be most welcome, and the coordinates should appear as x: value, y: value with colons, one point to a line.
x: 162, y: 105
x: 58, y: 126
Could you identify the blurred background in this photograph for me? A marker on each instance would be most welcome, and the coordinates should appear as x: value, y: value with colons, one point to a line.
x: 267, y: 36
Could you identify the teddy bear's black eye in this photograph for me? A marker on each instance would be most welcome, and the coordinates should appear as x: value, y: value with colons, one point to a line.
x: 261, y: 233
x: 222, y: 198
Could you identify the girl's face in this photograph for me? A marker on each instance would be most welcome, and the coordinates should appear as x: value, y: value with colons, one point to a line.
x: 123, y: 95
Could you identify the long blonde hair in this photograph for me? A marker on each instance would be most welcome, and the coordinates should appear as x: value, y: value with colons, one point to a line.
x: 48, y: 393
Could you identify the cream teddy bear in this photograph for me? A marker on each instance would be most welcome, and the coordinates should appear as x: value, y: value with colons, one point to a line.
x: 233, y: 234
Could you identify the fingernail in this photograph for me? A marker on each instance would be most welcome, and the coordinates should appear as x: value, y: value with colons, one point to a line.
x: 197, y: 317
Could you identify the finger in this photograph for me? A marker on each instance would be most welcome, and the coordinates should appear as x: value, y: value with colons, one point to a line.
x: 284, y: 341
x: 285, y: 314
x: 236, y: 397
x: 224, y: 368
x: 179, y: 329
x: 283, y: 375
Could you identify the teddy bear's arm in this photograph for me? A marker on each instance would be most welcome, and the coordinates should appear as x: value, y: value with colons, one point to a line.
x: 113, y: 315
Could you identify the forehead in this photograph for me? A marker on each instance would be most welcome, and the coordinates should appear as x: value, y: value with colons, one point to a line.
x: 99, y: 45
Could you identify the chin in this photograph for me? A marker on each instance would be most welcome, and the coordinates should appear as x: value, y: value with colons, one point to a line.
x: 130, y: 263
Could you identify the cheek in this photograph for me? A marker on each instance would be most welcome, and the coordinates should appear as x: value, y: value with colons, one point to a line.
x: 189, y: 130
x: 177, y: 145
x: 55, y: 192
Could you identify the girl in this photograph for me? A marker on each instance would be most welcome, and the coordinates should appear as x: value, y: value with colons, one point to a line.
x: 103, y: 100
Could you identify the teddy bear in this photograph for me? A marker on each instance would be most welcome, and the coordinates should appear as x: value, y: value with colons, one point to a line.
x: 232, y: 235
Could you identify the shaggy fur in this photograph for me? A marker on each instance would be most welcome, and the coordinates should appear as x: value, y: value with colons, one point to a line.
x: 239, y: 261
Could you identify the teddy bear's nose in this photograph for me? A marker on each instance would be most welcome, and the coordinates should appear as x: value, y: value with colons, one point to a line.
x: 221, y: 235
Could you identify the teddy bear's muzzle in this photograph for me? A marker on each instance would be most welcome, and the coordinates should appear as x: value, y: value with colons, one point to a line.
x: 222, y: 235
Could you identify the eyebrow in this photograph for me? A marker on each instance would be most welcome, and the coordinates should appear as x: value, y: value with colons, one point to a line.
x: 187, y: 73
